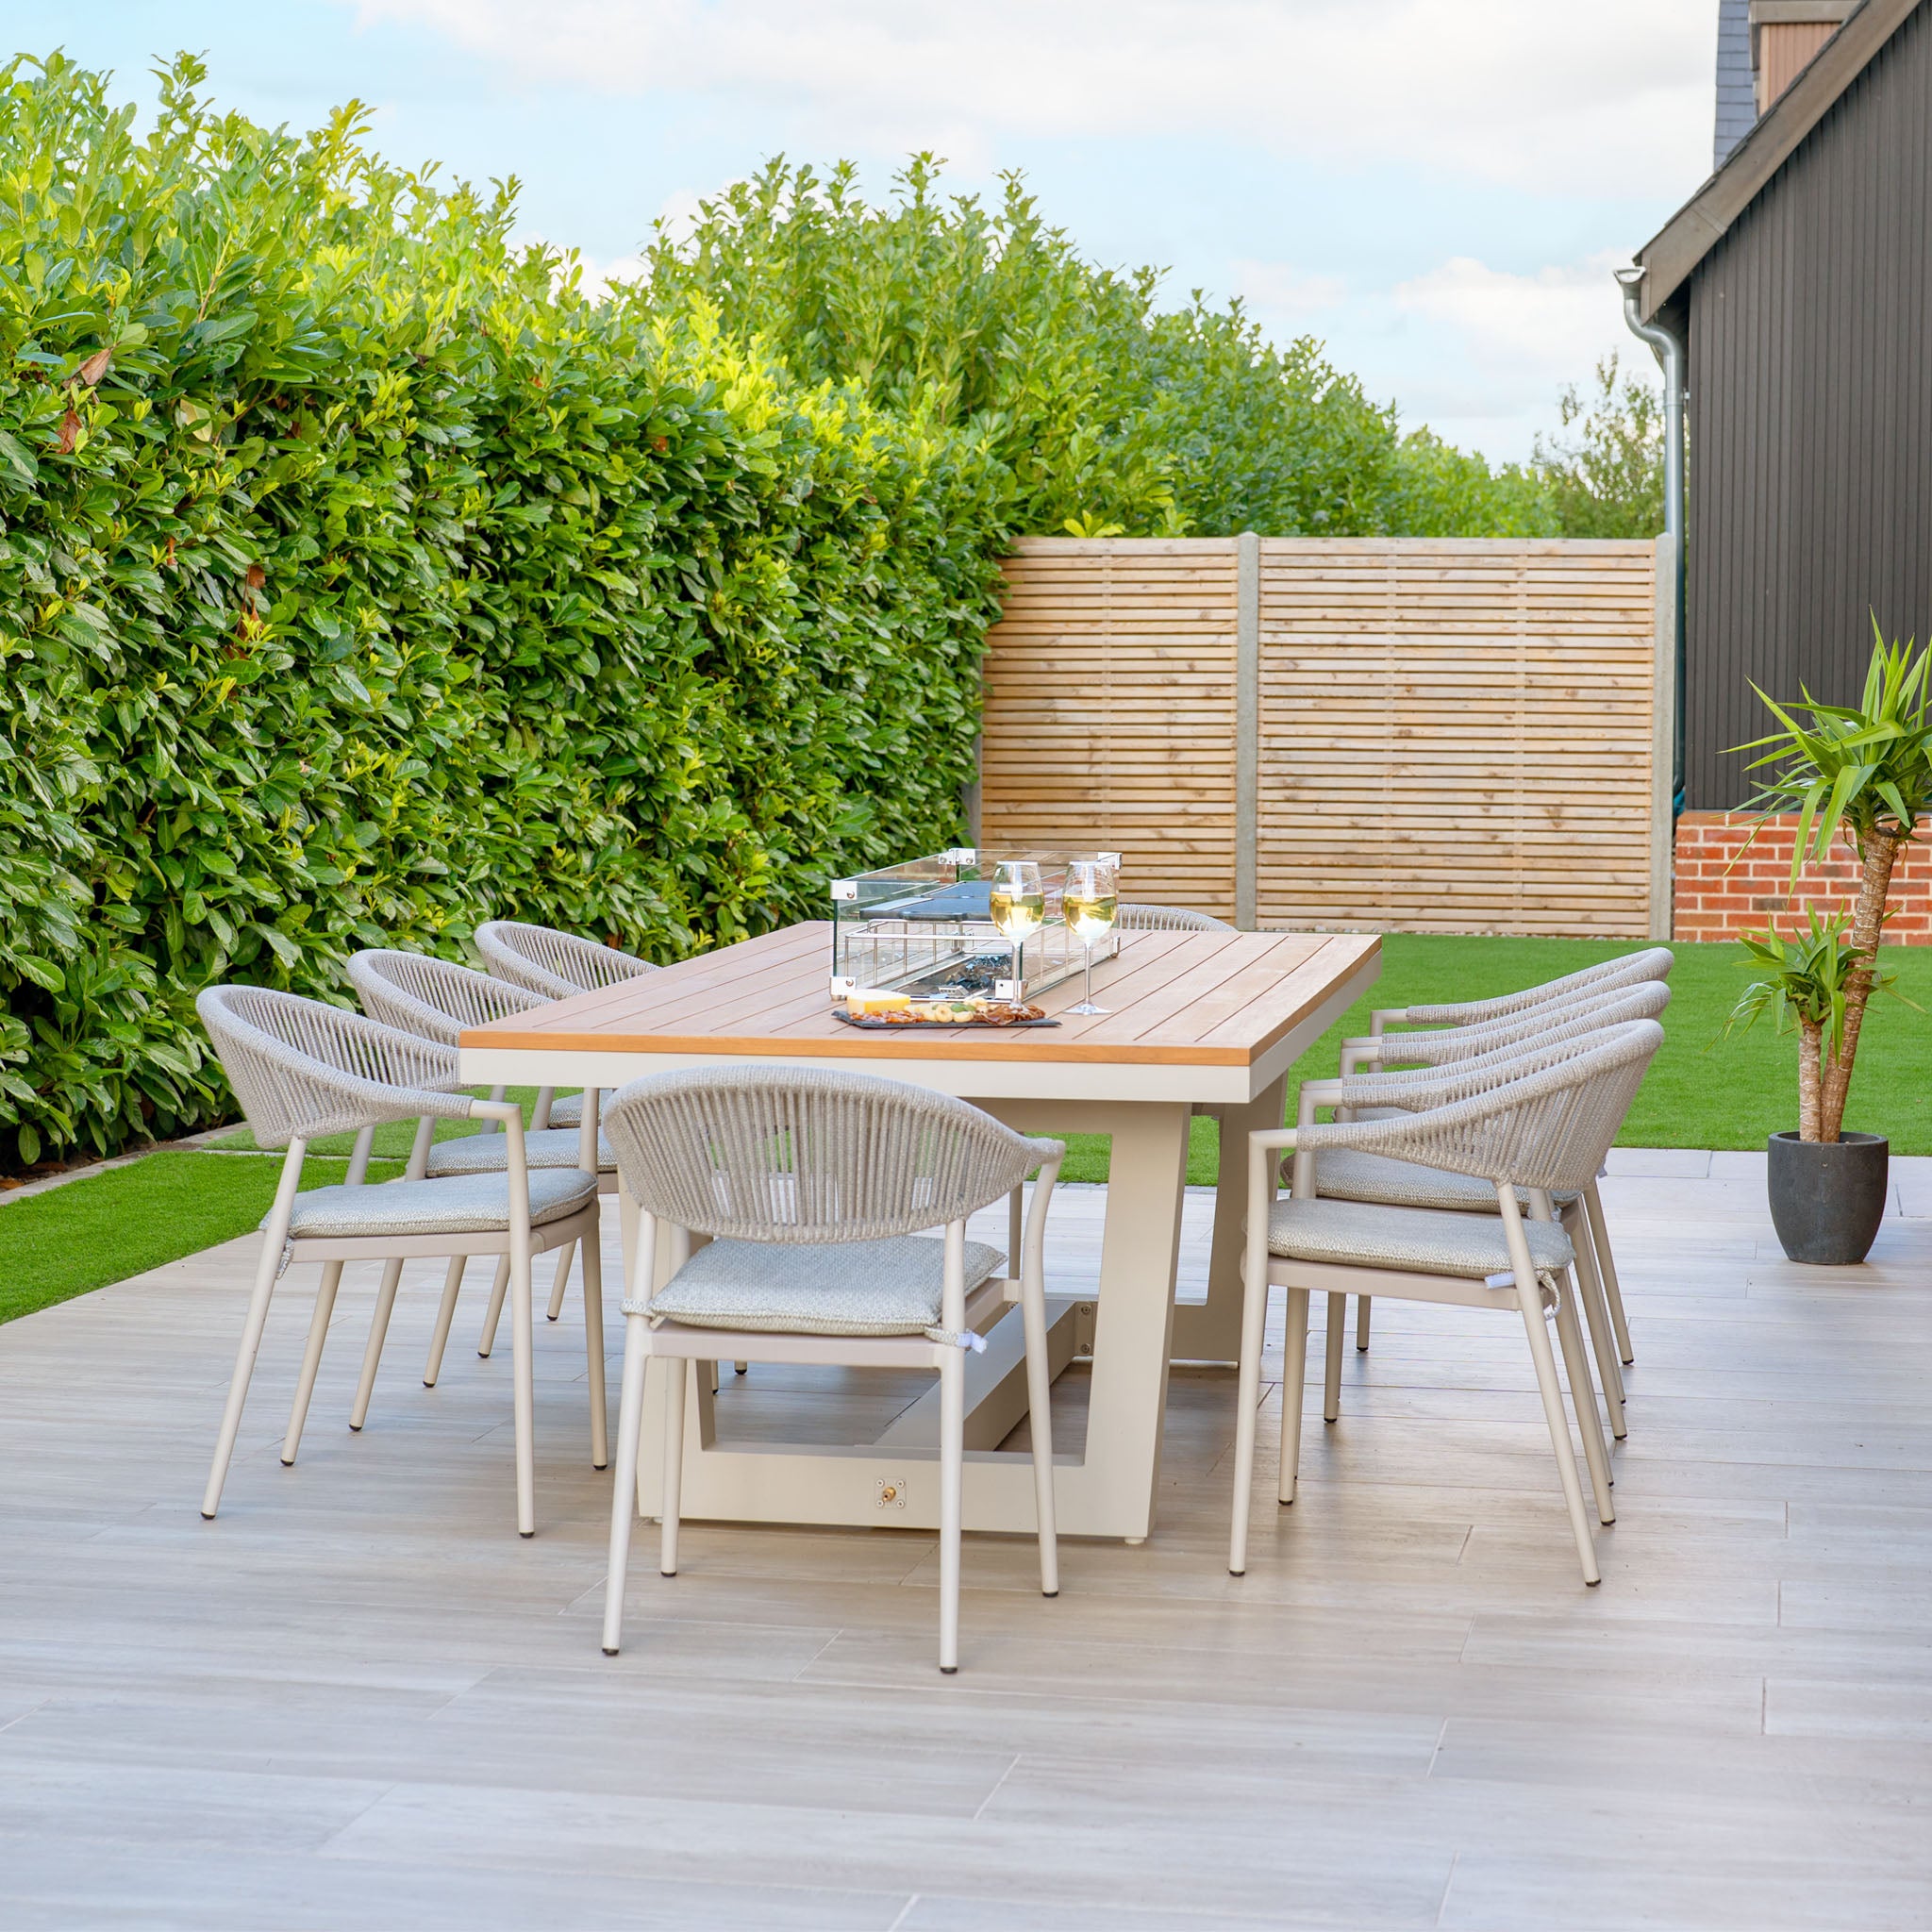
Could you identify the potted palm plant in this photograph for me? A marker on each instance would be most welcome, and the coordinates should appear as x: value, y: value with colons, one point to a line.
x: 1862, y: 774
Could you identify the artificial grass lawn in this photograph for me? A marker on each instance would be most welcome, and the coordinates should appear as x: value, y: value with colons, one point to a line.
x: 1703, y: 1090
x: 91, y: 1232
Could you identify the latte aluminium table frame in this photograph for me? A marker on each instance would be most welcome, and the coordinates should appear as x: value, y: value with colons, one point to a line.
x: 1197, y: 1023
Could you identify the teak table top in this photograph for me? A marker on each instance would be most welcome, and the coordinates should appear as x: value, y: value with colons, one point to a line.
x: 1190, y: 999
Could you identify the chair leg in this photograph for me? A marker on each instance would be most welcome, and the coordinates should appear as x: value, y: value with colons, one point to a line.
x: 739, y: 1368
x: 499, y: 1287
x: 1294, y: 1375
x: 1248, y: 1399
x: 1589, y: 1293
x: 593, y: 1350
x: 378, y: 1333
x: 1040, y: 1431
x: 1331, y: 1380
x: 445, y: 1313
x: 1558, y: 1419
x: 311, y: 1359
x: 1361, y: 1322
x: 630, y: 1418
x: 523, y: 1399
x: 1607, y: 1266
x: 266, y: 1268
x: 559, y: 1283
x: 1583, y: 1400
x: 952, y: 1472
x: 680, y: 1373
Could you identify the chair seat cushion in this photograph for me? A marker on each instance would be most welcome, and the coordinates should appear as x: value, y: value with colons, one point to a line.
x: 1417, y: 1239
x: 1348, y: 1173
x: 839, y: 1288
x: 567, y: 1111
x: 469, y: 1203
x: 490, y: 1153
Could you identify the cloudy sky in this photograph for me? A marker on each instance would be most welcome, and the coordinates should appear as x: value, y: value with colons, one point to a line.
x: 1438, y: 188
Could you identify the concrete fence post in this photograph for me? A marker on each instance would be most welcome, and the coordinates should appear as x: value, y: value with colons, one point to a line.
x: 1247, y: 730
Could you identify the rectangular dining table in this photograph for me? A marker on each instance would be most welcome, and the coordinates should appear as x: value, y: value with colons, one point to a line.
x: 1197, y: 1022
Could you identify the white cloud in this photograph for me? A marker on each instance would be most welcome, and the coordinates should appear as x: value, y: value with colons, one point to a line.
x: 1280, y: 293
x: 677, y: 215
x: 1523, y: 335
x: 595, y: 277
x: 1549, y: 94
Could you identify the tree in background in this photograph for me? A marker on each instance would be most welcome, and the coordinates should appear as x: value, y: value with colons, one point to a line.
x: 1106, y: 412
x: 1606, y: 479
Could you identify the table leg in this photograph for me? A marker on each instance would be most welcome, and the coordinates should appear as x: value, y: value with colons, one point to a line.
x: 1211, y: 1331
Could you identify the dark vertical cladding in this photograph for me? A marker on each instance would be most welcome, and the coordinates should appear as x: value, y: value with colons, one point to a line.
x: 1810, y: 461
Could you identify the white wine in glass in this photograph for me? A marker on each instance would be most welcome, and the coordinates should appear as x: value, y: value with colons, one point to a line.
x: 1017, y: 901
x: 1089, y: 903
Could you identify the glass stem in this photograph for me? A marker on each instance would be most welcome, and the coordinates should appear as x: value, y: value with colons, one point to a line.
x: 1089, y: 944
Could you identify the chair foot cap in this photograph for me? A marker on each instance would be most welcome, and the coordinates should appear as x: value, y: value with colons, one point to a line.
x: 949, y: 1670
x: 609, y: 1649
x: 1592, y: 1582
x: 526, y: 1533
x: 1237, y: 1573
x: 1049, y: 1593
x: 207, y: 1515
x: 355, y: 1428
x: 550, y: 1318
x: 288, y: 1462
x: 605, y: 1464
x: 666, y: 1573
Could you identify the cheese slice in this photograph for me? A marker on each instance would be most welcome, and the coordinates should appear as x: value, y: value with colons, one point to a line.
x: 865, y: 1004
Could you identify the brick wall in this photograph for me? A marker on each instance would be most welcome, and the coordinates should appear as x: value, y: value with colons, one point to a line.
x: 1715, y: 899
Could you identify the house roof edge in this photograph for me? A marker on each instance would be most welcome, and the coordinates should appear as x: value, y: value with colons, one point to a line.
x: 1673, y: 252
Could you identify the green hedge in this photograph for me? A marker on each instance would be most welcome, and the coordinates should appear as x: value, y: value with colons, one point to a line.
x: 359, y: 580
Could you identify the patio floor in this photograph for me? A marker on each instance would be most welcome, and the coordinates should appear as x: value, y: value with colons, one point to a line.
x: 358, y: 1699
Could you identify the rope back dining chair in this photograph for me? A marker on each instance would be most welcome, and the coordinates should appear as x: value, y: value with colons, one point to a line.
x: 1628, y: 969
x: 1143, y: 918
x: 556, y: 964
x: 439, y: 999
x: 1547, y: 1023
x: 1536, y: 1128
x: 301, y: 1070
x: 817, y: 1191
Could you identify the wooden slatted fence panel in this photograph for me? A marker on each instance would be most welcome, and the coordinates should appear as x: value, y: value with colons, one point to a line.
x: 1457, y: 736
x: 1110, y: 710
x: 1451, y: 735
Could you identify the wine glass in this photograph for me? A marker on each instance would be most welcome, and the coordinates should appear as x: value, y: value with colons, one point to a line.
x: 1017, y: 900
x: 1089, y: 903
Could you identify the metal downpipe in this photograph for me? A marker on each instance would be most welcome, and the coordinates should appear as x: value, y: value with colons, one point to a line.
x: 1669, y: 352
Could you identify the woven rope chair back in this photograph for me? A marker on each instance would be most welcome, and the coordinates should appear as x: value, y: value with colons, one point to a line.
x: 1565, y: 1105
x: 1654, y: 963
x: 804, y: 1156
x: 1558, y: 1020
x: 436, y: 998
x: 556, y: 964
x: 1136, y: 918
x: 300, y: 1067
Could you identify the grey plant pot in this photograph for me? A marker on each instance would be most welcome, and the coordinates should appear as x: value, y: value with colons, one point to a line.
x: 1826, y: 1201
